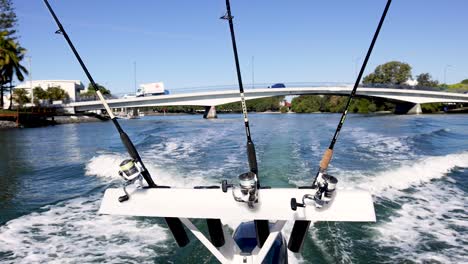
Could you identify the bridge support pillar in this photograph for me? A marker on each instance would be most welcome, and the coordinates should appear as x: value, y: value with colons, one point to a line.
x: 408, y: 109
x: 135, y: 112
x: 210, y: 112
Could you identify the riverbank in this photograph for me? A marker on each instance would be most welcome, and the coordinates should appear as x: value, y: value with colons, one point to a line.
x: 7, y: 124
x: 73, y: 119
x: 54, y: 120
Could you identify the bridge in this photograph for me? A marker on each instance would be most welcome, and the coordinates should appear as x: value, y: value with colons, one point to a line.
x: 408, y: 101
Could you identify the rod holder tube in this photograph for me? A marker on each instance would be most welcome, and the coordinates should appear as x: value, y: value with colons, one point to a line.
x: 298, y: 235
x: 215, y: 229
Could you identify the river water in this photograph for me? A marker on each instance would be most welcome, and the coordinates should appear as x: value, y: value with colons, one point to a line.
x: 416, y: 167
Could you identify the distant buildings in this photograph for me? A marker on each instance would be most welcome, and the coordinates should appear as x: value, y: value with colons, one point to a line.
x: 411, y: 82
x: 72, y: 87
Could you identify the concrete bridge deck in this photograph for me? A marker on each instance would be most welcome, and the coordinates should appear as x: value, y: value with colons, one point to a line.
x: 214, y: 98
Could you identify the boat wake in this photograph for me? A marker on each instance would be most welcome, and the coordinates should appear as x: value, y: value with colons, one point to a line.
x: 73, y: 230
x: 429, y: 223
x: 420, y: 213
x: 421, y: 195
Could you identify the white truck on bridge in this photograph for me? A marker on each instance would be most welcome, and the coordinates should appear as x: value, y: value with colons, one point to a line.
x: 148, y: 89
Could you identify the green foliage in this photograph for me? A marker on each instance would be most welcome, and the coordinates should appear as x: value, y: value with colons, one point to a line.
x: 92, y: 92
x: 255, y: 105
x: 336, y: 104
x: 265, y: 104
x: 393, y: 72
x: 56, y: 93
x: 425, y: 79
x: 21, y: 96
x: 306, y: 104
x: 284, y: 109
x: 432, y: 108
x: 11, y: 52
x: 10, y: 56
x: 39, y: 94
x: 457, y: 87
x: 7, y: 18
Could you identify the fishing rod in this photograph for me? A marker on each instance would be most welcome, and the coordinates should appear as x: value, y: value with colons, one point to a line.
x: 249, y: 181
x: 130, y: 169
x: 324, y: 183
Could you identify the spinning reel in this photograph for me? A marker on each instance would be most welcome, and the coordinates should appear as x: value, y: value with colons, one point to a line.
x: 131, y: 172
x: 325, y: 185
x: 247, y: 191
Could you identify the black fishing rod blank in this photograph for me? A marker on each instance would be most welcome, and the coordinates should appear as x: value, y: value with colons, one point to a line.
x: 261, y: 226
x: 322, y: 181
x: 174, y: 224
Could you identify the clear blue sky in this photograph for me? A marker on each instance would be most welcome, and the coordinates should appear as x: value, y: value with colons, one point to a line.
x: 185, y: 44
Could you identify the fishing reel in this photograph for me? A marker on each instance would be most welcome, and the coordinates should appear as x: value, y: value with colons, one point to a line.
x: 131, y: 172
x: 247, y: 191
x: 325, y: 185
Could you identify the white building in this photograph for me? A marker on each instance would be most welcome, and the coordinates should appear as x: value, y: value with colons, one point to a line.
x: 72, y: 87
x: 411, y: 82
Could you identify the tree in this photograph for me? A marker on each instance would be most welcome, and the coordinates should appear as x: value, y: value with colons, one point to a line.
x: 39, y: 94
x: 7, y: 29
x: 7, y: 18
x: 425, y: 79
x: 393, y: 72
x: 21, y: 96
x: 306, y: 104
x: 92, y: 92
x: 57, y: 93
x: 10, y: 56
x: 464, y: 81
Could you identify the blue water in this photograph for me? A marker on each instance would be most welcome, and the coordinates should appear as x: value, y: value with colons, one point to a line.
x: 416, y: 167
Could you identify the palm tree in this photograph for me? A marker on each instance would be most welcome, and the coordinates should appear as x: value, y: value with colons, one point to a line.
x: 11, y: 54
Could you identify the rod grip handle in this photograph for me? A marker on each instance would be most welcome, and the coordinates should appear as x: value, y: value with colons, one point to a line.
x: 327, y: 156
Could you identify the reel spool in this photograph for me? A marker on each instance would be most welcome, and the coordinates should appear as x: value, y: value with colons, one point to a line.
x: 326, y: 186
x: 247, y: 192
x: 130, y: 171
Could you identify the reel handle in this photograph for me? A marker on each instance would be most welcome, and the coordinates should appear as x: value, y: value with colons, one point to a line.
x: 225, y: 185
x: 295, y: 204
x: 123, y: 198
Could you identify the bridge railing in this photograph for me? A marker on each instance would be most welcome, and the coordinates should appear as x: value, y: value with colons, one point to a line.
x: 95, y: 97
x: 250, y: 86
x: 416, y: 87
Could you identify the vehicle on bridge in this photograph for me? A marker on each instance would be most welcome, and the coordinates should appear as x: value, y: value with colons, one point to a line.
x: 148, y: 89
x: 278, y: 85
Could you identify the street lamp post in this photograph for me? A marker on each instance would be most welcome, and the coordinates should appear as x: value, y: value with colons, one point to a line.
x: 134, y: 76
x: 445, y: 72
x: 356, y: 65
x: 253, y: 72
x: 30, y: 77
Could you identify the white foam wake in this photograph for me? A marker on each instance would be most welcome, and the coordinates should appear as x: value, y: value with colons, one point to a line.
x: 389, y: 183
x: 431, y: 214
x: 429, y: 226
x: 106, y: 167
x: 73, y: 232
x: 380, y: 146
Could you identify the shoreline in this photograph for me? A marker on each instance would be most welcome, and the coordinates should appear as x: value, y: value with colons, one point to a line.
x: 77, y: 119
x: 55, y: 120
